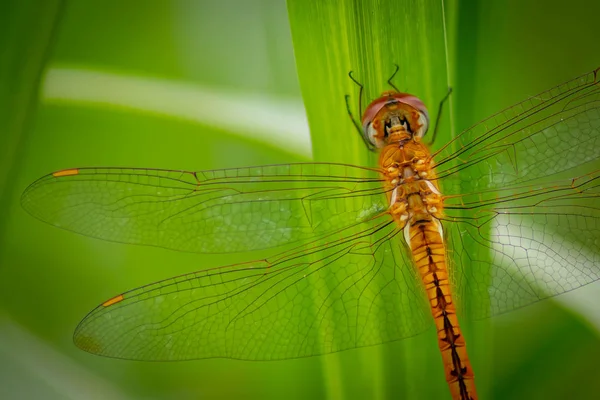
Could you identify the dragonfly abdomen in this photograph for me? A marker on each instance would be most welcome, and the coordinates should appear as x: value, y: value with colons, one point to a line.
x: 428, y: 249
x: 416, y: 204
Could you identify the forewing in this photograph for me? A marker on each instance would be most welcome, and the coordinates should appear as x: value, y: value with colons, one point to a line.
x: 226, y: 210
x: 555, y: 131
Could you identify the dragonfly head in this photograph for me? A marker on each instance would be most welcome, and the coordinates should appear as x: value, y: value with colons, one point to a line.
x: 394, y: 116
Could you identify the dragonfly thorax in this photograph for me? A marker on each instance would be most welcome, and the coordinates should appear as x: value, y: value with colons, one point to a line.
x: 409, y: 182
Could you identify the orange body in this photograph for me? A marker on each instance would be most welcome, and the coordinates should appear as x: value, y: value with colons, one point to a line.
x: 417, y: 205
x: 395, y: 123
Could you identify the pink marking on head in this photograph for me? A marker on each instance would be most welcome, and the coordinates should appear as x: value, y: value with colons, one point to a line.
x: 390, y: 98
x: 392, y: 105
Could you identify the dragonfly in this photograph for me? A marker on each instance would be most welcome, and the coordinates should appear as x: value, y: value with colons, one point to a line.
x: 502, y: 216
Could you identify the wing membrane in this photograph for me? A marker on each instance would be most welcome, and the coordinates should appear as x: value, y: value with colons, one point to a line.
x: 552, y: 132
x: 216, y: 211
x: 335, y: 294
x: 526, y: 243
x: 523, y: 209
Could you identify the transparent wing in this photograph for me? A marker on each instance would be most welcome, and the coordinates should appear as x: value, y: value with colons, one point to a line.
x: 523, y: 206
x: 555, y: 131
x: 525, y: 244
x: 227, y: 210
x: 347, y: 289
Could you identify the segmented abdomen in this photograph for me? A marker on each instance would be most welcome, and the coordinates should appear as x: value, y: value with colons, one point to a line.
x: 429, y: 253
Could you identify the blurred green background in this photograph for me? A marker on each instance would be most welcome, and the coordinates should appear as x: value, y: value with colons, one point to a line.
x: 213, y: 84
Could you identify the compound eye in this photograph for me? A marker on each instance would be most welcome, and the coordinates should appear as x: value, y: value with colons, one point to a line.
x: 373, y: 129
x: 423, y: 124
x: 373, y: 136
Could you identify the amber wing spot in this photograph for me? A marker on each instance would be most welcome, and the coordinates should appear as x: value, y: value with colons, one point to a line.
x: 66, y: 172
x: 113, y: 301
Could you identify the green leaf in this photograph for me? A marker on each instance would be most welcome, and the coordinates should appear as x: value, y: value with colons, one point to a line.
x: 369, y: 38
x: 332, y: 38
